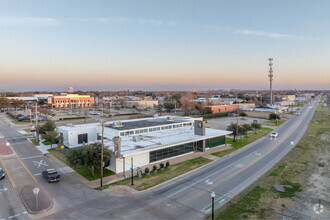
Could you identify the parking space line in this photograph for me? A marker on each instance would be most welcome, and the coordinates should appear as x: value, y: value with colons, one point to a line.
x: 24, y: 158
x: 19, y: 159
x: 7, y: 173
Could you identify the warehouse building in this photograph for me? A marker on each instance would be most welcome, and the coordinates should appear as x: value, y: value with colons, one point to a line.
x: 146, y: 140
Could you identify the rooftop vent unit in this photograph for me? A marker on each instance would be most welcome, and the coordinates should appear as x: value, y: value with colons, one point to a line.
x: 170, y: 118
x: 117, y: 124
x: 70, y: 125
x: 138, y: 138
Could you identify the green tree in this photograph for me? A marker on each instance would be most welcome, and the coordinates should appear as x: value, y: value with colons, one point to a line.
x: 169, y: 106
x: 273, y: 116
x: 256, y: 126
x: 246, y: 128
x: 48, y: 126
x: 90, y: 155
x: 52, y: 137
x: 233, y: 127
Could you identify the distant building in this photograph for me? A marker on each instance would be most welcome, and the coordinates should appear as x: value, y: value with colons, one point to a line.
x: 65, y: 100
x: 147, y: 140
x: 230, y: 108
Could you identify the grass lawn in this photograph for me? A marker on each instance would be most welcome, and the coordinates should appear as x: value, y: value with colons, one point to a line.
x: 260, y: 200
x: 273, y: 123
x: 47, y: 143
x: 28, y: 130
x: 34, y: 141
x: 161, y: 176
x: 246, y: 140
x: 82, y: 170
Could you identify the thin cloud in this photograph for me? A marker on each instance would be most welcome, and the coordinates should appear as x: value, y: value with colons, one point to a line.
x: 102, y: 20
x: 28, y: 21
x: 262, y: 33
x: 157, y: 22
x: 249, y: 32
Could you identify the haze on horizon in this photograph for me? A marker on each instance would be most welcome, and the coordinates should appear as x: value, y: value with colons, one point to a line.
x: 163, y: 45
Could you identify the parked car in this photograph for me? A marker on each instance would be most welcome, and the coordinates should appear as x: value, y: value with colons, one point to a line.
x: 2, y: 174
x: 94, y: 113
x: 298, y: 113
x: 274, y: 135
x: 51, y: 175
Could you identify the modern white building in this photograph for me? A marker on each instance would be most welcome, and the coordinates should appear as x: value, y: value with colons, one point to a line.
x: 146, y: 140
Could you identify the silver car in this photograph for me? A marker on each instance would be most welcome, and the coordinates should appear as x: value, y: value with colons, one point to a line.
x: 274, y: 135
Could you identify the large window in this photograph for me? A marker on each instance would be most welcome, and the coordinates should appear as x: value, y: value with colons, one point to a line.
x: 214, y: 142
x: 171, y: 152
x: 82, y: 138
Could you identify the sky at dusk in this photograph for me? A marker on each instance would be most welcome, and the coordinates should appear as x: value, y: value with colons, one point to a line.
x: 163, y: 45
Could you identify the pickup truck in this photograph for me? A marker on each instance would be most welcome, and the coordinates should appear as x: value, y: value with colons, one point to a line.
x: 51, y: 175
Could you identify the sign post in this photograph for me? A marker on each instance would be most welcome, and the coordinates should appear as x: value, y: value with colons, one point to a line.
x: 36, y: 191
x: 62, y: 147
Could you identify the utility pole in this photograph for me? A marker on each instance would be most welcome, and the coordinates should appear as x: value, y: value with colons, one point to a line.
x: 36, y: 118
x: 237, y: 134
x: 124, y: 175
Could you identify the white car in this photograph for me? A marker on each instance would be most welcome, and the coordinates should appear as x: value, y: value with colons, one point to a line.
x: 274, y: 135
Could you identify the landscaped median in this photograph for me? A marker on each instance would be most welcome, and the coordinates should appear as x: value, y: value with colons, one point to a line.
x: 252, y: 136
x: 153, y: 179
x: 81, y: 169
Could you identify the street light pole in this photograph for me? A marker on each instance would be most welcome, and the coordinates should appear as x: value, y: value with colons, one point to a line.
x: 213, y: 196
x: 102, y: 155
x: 132, y: 171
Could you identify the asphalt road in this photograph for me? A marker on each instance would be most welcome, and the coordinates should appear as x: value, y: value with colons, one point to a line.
x: 186, y: 197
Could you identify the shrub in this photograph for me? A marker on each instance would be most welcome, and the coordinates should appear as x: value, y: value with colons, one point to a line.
x: 154, y: 168
x: 273, y: 116
x: 147, y: 170
x: 161, y: 165
x: 167, y: 164
x: 243, y: 114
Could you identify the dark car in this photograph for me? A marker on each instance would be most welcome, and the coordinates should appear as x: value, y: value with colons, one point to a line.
x: 51, y: 175
x: 2, y: 174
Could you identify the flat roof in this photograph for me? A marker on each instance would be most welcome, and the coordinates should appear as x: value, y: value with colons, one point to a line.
x: 162, y: 139
x: 144, y: 124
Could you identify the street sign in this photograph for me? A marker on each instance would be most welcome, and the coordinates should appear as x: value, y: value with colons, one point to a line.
x: 62, y: 147
x: 132, y: 170
x: 36, y: 190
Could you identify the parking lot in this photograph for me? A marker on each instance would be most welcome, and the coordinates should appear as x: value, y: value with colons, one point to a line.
x: 222, y: 123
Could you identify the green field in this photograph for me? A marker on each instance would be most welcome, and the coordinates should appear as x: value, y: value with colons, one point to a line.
x: 241, y: 143
x: 273, y: 123
x: 161, y: 176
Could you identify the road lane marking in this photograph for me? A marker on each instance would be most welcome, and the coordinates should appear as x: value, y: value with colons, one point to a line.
x: 209, y: 182
x: 24, y: 158
x: 19, y: 159
x: 14, y: 216
x: 239, y: 165
x: 41, y: 162
x: 184, y: 188
x: 7, y: 173
x: 37, y: 174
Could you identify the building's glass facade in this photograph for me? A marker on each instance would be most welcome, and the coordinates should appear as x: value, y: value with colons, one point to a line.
x: 183, y: 149
x: 213, y: 142
x: 171, y: 152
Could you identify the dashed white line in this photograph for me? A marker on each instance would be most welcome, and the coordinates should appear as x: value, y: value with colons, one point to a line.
x: 14, y: 216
